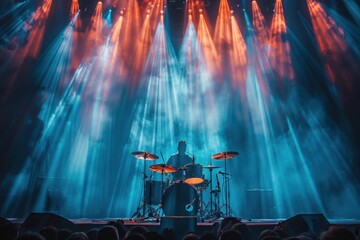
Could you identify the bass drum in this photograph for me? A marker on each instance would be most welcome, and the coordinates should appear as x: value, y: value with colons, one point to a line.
x: 180, y: 199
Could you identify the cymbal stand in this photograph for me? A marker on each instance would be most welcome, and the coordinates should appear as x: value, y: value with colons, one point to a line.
x: 214, y: 205
x: 226, y: 180
x: 143, y: 204
x: 227, y: 193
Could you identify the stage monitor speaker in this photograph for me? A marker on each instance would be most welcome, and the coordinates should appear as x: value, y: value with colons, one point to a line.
x: 181, y: 224
x: 315, y: 223
x: 36, y: 221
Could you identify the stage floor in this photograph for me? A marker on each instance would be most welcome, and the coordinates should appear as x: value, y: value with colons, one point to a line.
x: 256, y: 225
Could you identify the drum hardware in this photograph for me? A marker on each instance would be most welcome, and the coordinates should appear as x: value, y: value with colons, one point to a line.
x: 215, y: 213
x: 226, y: 156
x: 202, y: 205
x: 212, y: 204
x: 189, y: 207
x: 146, y: 156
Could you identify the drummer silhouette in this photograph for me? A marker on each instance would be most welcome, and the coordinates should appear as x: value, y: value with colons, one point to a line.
x: 179, y: 159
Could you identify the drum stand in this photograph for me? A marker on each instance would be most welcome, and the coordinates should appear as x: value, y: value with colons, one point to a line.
x: 147, y: 210
x: 226, y: 180
x: 142, y: 206
x: 215, y: 212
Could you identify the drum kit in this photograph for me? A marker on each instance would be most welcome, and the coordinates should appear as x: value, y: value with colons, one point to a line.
x: 183, y: 197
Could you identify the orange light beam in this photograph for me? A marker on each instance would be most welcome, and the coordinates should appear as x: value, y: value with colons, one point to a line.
x: 222, y: 38
x: 238, y: 56
x: 95, y: 32
x: 33, y: 30
x: 208, y: 47
x: 329, y: 37
x: 259, y: 23
x: 74, y: 9
x: 279, y: 51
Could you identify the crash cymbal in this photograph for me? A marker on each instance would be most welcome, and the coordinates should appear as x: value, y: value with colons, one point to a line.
x: 210, y: 167
x: 163, y: 168
x: 224, y: 155
x: 144, y: 155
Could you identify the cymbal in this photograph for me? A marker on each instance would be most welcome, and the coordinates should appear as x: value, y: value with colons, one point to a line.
x: 144, y: 155
x: 182, y: 168
x: 210, y: 167
x: 163, y: 168
x: 224, y: 155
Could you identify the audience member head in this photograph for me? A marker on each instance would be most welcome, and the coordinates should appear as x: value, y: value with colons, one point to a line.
x: 9, y: 231
x: 119, y: 224
x: 268, y: 233
x: 63, y: 234
x: 208, y: 236
x: 243, y: 229
x: 31, y: 236
x: 153, y: 236
x: 138, y: 229
x: 274, y: 238
x: 169, y: 234
x: 308, y: 236
x: 227, y: 223
x: 282, y: 233
x: 92, y: 234
x: 107, y: 233
x: 231, y: 235
x: 337, y: 233
x: 357, y: 232
x: 78, y: 236
x: 49, y: 233
x: 135, y: 236
x: 191, y: 236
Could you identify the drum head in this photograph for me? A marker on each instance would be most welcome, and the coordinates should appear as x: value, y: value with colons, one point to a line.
x: 194, y: 174
x: 178, y: 198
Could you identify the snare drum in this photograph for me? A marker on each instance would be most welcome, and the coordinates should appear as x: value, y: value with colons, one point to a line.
x: 194, y: 174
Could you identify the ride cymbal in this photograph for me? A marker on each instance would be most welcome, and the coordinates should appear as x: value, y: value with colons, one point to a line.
x: 144, y: 155
x: 224, y: 155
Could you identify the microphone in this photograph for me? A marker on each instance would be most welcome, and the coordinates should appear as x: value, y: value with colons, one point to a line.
x: 224, y: 173
x: 217, y: 181
x: 193, y: 159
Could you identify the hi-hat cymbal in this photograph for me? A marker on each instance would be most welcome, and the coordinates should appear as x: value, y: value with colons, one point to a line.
x: 144, y: 155
x: 224, y: 155
x: 182, y: 169
x: 210, y: 167
x: 163, y: 168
